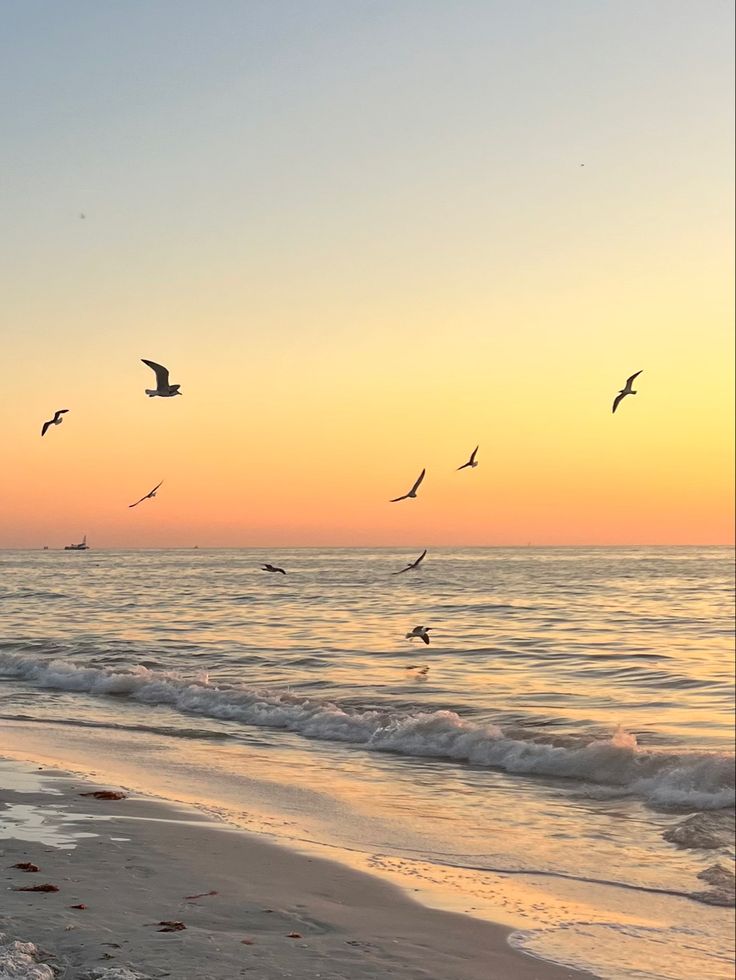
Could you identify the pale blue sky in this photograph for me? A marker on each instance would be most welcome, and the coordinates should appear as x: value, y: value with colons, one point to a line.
x: 340, y: 198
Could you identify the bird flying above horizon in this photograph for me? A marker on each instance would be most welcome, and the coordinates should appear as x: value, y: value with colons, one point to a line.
x: 626, y: 390
x: 163, y: 388
x: 56, y: 420
x: 149, y: 496
x: 272, y: 568
x: 471, y: 462
x: 413, y: 492
x: 412, y: 564
x: 419, y: 633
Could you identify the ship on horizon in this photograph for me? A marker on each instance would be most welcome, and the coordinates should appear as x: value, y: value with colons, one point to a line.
x: 82, y: 546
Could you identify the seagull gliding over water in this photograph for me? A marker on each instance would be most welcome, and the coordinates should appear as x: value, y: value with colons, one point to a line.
x: 420, y: 633
x: 412, y: 564
x: 272, y: 568
x: 149, y: 496
x: 471, y: 462
x: 56, y: 420
x: 413, y: 492
x: 626, y: 390
x: 163, y: 388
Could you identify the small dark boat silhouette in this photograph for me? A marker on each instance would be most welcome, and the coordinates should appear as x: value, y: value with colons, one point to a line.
x: 82, y: 546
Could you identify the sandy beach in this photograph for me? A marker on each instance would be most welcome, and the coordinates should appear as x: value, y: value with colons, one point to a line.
x: 124, y: 867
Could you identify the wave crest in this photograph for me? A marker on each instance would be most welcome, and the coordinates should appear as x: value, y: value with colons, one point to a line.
x: 692, y: 780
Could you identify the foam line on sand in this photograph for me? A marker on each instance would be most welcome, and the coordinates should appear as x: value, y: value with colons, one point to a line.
x: 248, y: 907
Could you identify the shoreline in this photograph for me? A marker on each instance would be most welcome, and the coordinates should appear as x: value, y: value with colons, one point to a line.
x: 277, y: 912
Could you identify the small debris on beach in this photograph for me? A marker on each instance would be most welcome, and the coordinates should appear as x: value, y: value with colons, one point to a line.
x: 106, y: 794
x: 80, y: 906
x: 38, y: 888
x: 26, y: 866
x: 190, y: 898
x: 294, y: 935
x: 248, y: 942
x: 171, y: 926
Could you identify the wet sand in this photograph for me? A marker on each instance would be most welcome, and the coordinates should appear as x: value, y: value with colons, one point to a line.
x: 135, y: 863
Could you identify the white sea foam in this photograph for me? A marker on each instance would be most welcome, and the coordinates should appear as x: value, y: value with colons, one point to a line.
x: 20, y: 961
x: 695, y: 780
x: 113, y: 973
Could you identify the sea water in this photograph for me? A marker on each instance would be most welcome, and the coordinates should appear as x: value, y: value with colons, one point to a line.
x: 564, y: 765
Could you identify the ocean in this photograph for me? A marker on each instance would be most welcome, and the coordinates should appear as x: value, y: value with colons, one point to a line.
x: 565, y: 765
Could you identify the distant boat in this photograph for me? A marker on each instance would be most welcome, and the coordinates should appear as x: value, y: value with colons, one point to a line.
x: 82, y: 546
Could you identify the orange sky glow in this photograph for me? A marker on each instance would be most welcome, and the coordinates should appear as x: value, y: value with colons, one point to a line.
x: 362, y: 240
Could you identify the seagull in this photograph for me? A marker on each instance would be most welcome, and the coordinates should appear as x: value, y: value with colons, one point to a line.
x: 419, y: 632
x: 413, y: 492
x: 163, y: 388
x: 148, y: 496
x: 412, y: 564
x: 626, y: 390
x: 56, y: 420
x: 471, y: 462
x: 272, y: 568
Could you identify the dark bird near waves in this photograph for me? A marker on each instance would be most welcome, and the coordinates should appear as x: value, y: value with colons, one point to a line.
x: 412, y: 564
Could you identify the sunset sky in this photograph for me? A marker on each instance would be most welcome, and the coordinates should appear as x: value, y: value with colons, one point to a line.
x: 365, y: 236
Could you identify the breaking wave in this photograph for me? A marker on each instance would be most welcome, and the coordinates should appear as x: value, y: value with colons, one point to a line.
x: 703, y: 781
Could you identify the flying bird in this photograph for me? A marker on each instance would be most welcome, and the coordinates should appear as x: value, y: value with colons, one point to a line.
x: 412, y: 564
x: 272, y: 568
x: 149, y: 496
x: 626, y: 390
x: 471, y: 462
x: 420, y: 633
x: 413, y: 492
x: 163, y: 388
x: 56, y: 420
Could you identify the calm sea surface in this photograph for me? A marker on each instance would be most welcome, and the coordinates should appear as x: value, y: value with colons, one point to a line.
x: 564, y: 765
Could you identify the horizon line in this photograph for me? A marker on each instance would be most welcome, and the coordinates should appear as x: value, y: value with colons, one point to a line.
x: 368, y: 547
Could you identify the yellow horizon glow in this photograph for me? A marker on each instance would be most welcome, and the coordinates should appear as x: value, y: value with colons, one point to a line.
x: 354, y: 281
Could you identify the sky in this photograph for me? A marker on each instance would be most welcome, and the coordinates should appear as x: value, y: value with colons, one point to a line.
x: 365, y: 237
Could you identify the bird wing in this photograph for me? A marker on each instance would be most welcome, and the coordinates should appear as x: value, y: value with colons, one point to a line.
x: 138, y: 501
x: 472, y: 455
x: 630, y: 381
x: 59, y: 413
x: 617, y: 399
x: 162, y: 373
x: 425, y: 638
x: 419, y: 480
x: 150, y: 492
x: 464, y: 466
x: 396, y: 499
x: 420, y: 558
x: 45, y: 426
